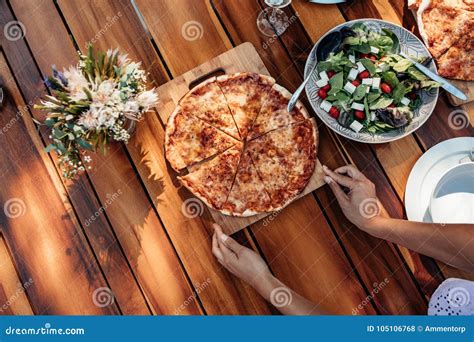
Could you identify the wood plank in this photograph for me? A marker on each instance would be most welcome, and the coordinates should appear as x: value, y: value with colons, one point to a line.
x: 81, y: 193
x: 13, y: 300
x: 136, y: 225
x: 58, y: 258
x: 398, y: 284
x: 187, y: 24
x: 190, y: 236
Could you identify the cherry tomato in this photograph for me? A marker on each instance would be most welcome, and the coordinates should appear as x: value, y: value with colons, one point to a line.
x: 364, y: 55
x: 326, y: 88
x: 385, y: 88
x: 322, y: 94
x: 334, y: 112
x: 412, y: 96
x: 372, y: 58
x: 364, y: 74
x: 359, y: 115
x: 391, y: 105
x: 356, y: 83
x: 331, y: 73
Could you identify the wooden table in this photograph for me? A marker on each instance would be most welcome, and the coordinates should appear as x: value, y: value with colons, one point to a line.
x: 120, y: 229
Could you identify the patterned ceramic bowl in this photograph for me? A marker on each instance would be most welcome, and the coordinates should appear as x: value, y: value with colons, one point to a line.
x: 411, y: 46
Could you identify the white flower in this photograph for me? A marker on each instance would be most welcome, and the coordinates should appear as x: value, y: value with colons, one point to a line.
x: 88, y: 120
x: 76, y: 83
x: 147, y: 99
x: 122, y: 59
x: 131, y: 106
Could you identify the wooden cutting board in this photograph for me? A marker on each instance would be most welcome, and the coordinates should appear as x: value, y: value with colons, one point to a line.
x: 241, y: 58
x: 467, y: 87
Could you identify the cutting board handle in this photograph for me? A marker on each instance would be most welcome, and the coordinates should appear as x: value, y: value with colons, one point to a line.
x: 198, y: 79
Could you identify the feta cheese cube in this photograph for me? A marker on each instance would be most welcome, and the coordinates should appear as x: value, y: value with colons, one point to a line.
x: 373, y: 49
x: 326, y: 106
x: 349, y: 87
x: 376, y: 83
x: 356, y: 126
x: 405, y: 101
x: 372, y: 116
x: 367, y: 81
x: 360, y: 67
x: 321, y: 83
x: 381, y: 67
x: 323, y: 75
x: 357, y: 106
x: 352, y: 58
x: 352, y: 74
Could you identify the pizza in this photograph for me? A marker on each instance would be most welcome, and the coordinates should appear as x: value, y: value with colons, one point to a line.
x: 273, y: 113
x: 212, y: 182
x: 207, y: 102
x: 446, y: 27
x: 248, y: 195
x: 244, y: 93
x: 285, y: 159
x: 190, y: 140
x: 237, y: 147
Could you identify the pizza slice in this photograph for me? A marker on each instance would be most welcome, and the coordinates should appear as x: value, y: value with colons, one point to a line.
x: 207, y: 102
x: 457, y: 62
x: 212, y: 181
x: 190, y: 140
x: 248, y: 195
x: 274, y: 114
x: 442, y: 23
x: 244, y: 93
x: 285, y: 159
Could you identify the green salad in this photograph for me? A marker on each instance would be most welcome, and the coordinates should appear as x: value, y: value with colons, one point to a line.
x: 366, y: 86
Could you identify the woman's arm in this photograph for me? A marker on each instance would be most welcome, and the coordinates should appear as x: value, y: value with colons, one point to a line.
x: 450, y: 243
x: 251, y: 268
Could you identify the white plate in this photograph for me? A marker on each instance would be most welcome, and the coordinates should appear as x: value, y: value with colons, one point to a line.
x: 427, y: 172
x: 411, y: 46
x: 453, y: 197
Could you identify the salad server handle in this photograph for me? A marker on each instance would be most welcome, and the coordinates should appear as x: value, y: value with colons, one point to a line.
x: 297, y: 93
x: 444, y: 82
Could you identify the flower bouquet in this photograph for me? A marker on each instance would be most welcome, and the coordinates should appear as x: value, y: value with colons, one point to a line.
x: 95, y: 102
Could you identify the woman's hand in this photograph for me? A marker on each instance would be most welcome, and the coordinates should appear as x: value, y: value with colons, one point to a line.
x: 239, y: 260
x: 360, y: 205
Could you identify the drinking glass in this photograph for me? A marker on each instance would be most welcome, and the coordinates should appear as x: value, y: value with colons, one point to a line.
x: 272, y: 21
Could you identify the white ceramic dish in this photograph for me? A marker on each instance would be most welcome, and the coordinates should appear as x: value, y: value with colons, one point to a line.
x: 411, y: 46
x: 452, y: 200
x: 428, y: 171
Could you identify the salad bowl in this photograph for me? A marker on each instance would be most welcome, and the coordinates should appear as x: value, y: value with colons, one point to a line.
x: 409, y: 45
